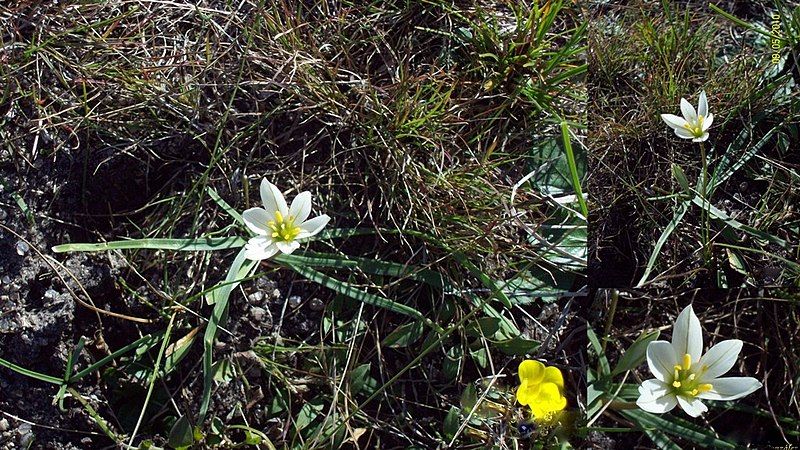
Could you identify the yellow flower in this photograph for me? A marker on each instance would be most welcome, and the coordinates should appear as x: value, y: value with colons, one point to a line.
x: 541, y: 388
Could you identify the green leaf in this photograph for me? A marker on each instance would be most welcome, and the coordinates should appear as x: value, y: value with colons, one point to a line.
x: 451, y: 363
x: 356, y: 294
x: 671, y: 226
x: 177, y: 351
x: 680, y: 177
x: 181, y: 435
x: 30, y: 373
x: 452, y: 422
x: 573, y: 169
x: 187, y: 245
x: 404, y: 335
x: 223, y: 371
x: 483, y: 327
x: 636, y: 353
x: 733, y: 223
x: 307, y: 414
x: 358, y: 378
x: 661, y: 440
x: 224, y: 205
x: 517, y: 346
x: 214, y: 322
x: 371, y: 266
x: 480, y: 356
x: 676, y: 427
x: 594, y: 345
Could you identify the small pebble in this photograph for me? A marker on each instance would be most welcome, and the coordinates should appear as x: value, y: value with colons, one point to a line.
x: 26, y: 435
x: 3, y: 214
x: 3, y: 424
x: 276, y: 293
x: 258, y: 313
x: 743, y: 186
x: 295, y: 301
x: 6, y: 279
x: 256, y: 297
x: 22, y: 248
x: 316, y: 304
x: 50, y: 294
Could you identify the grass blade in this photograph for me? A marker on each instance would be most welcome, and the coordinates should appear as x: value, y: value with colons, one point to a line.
x: 359, y: 295
x: 676, y: 219
x: 216, y: 320
x: 676, y: 427
x: 30, y: 373
x: 573, y: 169
x: 370, y: 266
x: 186, y: 245
x: 735, y: 224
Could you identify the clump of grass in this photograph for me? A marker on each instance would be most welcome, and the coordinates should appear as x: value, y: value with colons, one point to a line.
x: 644, y: 59
x: 415, y: 124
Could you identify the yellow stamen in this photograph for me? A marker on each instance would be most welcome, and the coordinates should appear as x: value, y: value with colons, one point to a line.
x: 676, y: 384
x: 705, y: 387
x: 692, y: 377
x: 687, y: 361
x: 283, y: 228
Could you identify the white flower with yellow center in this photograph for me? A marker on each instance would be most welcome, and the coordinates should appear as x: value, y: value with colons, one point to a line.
x: 684, y: 376
x: 277, y: 226
x: 693, y: 125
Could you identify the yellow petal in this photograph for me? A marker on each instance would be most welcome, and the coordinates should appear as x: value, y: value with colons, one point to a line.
x: 527, y: 393
x: 553, y: 375
x: 548, y: 400
x: 532, y: 371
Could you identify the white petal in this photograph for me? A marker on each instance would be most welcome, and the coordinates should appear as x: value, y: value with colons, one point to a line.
x: 287, y: 247
x: 719, y: 359
x: 688, y: 111
x: 301, y: 207
x: 654, y: 404
x: 661, y: 359
x: 684, y: 133
x: 674, y: 121
x: 311, y: 227
x: 687, y: 335
x: 654, y: 387
x: 693, y: 406
x: 256, y: 220
x: 257, y: 252
x: 702, y: 105
x: 707, y: 121
x: 702, y: 138
x: 730, y: 388
x: 272, y: 198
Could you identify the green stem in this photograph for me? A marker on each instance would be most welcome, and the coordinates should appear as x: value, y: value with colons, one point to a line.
x: 610, y: 317
x: 98, y: 419
x: 704, y: 217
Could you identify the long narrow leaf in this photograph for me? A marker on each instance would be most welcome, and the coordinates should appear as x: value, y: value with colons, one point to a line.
x: 573, y: 169
x: 370, y: 266
x: 224, y: 205
x: 676, y: 219
x: 357, y: 294
x: 188, y: 245
x: 676, y: 427
x: 735, y: 224
x: 216, y: 320
x: 30, y: 373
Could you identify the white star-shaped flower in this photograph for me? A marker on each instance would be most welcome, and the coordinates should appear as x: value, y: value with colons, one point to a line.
x: 277, y: 226
x: 684, y: 376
